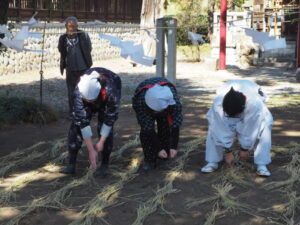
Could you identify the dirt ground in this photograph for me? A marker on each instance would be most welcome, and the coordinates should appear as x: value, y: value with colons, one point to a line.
x: 32, y: 191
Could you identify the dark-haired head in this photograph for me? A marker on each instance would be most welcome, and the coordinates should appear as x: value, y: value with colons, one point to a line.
x: 234, y: 103
x: 71, y: 18
x: 71, y: 25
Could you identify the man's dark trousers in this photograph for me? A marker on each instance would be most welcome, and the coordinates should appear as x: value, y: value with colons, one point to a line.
x: 72, y: 78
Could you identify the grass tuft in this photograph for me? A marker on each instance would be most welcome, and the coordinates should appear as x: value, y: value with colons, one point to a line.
x: 53, y: 200
x: 157, y: 201
x: 293, y: 169
x: 94, y: 209
x: 211, y: 218
x: 234, y: 176
x: 22, y: 161
x: 223, y: 198
x: 28, y: 110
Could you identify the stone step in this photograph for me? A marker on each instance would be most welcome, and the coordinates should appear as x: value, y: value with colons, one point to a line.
x: 287, y: 64
x: 277, y: 59
x: 291, y: 43
x: 277, y: 53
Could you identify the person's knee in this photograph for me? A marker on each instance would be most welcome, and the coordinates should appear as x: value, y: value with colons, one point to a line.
x: 74, y: 147
x: 147, y: 133
x: 108, y: 149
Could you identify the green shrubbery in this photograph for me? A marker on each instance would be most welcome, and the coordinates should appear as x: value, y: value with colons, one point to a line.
x: 199, y: 26
x: 15, y: 110
x: 193, y: 53
x: 191, y: 15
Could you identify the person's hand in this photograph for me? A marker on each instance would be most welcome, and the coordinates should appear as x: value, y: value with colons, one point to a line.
x: 229, y: 159
x: 173, y: 153
x: 93, y: 158
x: 244, y: 155
x: 163, y: 154
x: 93, y: 154
x: 99, y: 146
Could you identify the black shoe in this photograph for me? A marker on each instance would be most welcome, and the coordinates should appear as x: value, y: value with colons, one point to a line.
x: 70, y: 169
x: 162, y: 164
x: 102, y: 171
x: 147, y: 166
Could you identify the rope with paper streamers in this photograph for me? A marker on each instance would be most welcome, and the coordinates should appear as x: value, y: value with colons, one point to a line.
x: 98, y: 25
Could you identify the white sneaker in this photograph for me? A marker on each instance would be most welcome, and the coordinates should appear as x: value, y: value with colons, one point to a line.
x: 263, y: 171
x: 210, y: 167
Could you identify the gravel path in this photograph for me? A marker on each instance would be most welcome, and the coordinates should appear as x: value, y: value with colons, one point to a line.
x: 193, y: 79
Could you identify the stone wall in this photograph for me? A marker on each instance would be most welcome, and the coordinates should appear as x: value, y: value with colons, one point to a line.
x: 12, y: 61
x: 241, y: 51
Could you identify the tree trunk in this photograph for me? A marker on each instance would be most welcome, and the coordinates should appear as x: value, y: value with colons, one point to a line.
x: 151, y: 10
x: 211, y: 9
x: 3, y: 11
x: 3, y: 15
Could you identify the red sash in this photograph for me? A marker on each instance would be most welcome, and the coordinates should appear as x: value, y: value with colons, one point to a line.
x: 103, y: 94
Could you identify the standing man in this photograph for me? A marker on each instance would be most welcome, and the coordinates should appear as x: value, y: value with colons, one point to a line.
x: 75, y: 55
x: 156, y: 100
x: 98, y: 91
x: 239, y: 111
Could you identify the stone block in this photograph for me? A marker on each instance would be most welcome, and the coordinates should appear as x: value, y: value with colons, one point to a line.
x: 298, y: 75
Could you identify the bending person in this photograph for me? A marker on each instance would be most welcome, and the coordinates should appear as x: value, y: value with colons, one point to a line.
x: 239, y: 111
x: 98, y: 91
x: 156, y: 101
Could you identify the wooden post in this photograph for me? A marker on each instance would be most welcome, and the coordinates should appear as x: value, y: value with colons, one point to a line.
x: 74, y: 8
x: 62, y: 10
x: 298, y: 49
x: 18, y: 12
x: 275, y: 23
x: 223, y: 14
x: 171, y: 38
x: 105, y: 9
x: 298, y: 40
x: 50, y: 5
x: 124, y: 10
x: 87, y: 8
x: 97, y: 9
x: 160, y: 48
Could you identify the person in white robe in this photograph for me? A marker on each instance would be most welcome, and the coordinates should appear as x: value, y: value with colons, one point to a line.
x: 239, y: 112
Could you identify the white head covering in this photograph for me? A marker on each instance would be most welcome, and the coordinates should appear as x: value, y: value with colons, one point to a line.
x: 249, y: 88
x: 89, y: 86
x: 159, y: 97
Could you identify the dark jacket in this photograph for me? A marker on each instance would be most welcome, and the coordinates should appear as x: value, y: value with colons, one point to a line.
x: 145, y: 117
x: 107, y: 104
x: 85, y: 46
